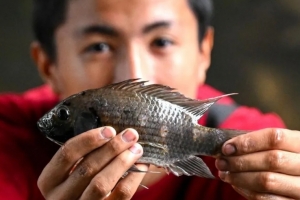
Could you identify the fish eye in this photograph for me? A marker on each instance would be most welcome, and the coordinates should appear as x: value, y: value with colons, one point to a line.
x: 63, y: 113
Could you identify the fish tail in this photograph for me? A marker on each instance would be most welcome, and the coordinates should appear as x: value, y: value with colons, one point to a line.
x: 210, y: 140
x: 207, y: 141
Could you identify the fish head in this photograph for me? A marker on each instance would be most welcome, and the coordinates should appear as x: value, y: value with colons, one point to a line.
x: 74, y: 115
x: 58, y: 124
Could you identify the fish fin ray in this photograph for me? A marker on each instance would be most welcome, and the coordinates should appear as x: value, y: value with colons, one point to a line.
x: 156, y: 145
x: 120, y: 85
x: 195, y: 107
x: 134, y: 168
x: 190, y: 167
x: 199, y: 107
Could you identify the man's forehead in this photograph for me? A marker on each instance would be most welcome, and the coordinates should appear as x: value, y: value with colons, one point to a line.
x: 106, y: 29
x: 131, y: 13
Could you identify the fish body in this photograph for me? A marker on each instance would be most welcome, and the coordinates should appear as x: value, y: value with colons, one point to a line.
x: 165, y: 120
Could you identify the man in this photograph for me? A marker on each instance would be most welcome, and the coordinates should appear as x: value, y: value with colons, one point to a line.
x: 87, y: 44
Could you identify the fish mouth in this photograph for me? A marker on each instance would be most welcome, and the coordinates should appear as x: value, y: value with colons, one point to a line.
x: 45, y: 124
x: 44, y: 128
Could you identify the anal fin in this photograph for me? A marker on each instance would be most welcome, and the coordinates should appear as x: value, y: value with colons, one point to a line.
x: 190, y: 167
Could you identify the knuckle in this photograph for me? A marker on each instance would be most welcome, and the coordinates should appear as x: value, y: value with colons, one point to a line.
x: 275, y: 160
x: 267, y: 181
x: 124, y: 191
x: 91, y: 139
x: 262, y: 197
x: 99, y: 188
x: 239, y: 164
x: 247, y: 144
x: 256, y: 197
x: 114, y: 147
x: 65, y: 154
x: 44, y: 189
x: 122, y: 160
x: 41, y: 186
x: 276, y: 137
x: 85, y: 170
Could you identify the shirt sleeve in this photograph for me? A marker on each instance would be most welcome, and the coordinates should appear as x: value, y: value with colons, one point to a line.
x: 24, y: 152
x: 17, y: 176
x: 248, y: 118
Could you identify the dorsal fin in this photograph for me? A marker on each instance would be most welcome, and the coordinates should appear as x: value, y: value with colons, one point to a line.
x: 127, y: 83
x: 199, y: 107
x: 196, y: 107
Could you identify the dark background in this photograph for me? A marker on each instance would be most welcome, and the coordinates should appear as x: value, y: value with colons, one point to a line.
x: 256, y: 53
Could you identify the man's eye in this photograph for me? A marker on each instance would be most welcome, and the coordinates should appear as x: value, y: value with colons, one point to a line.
x: 162, y: 42
x: 99, y: 47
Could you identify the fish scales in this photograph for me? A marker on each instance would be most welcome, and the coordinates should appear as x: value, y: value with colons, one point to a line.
x: 150, y: 132
x: 165, y: 120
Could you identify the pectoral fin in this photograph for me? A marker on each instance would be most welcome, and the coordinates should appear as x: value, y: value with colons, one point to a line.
x: 134, y: 168
x: 190, y: 167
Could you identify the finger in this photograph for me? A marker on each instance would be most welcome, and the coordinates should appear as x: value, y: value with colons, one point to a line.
x: 262, y: 140
x: 265, y: 182
x: 258, y: 196
x: 97, y: 161
x: 126, y: 187
x: 274, y: 161
x: 58, y: 168
x: 104, y: 182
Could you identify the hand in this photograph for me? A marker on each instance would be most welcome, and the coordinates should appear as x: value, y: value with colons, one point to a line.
x: 106, y: 158
x: 263, y: 164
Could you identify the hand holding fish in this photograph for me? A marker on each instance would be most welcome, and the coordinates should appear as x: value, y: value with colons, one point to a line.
x: 263, y: 164
x: 106, y: 157
x: 167, y: 123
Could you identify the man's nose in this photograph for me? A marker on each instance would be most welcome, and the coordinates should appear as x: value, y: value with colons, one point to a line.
x: 135, y: 63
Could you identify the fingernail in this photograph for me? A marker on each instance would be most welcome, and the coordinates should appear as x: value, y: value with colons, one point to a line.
x: 223, y: 174
x: 229, y: 149
x: 221, y: 164
x: 106, y: 133
x: 136, y: 149
x: 128, y: 136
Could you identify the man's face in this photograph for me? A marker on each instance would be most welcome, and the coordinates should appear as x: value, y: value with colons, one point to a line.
x: 105, y: 41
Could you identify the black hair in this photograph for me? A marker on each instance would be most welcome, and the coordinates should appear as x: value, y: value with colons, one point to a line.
x: 48, y: 15
x: 203, y: 11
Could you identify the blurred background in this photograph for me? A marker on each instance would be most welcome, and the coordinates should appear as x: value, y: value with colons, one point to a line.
x: 256, y: 53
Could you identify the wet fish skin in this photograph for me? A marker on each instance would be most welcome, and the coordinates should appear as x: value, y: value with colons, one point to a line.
x: 165, y: 120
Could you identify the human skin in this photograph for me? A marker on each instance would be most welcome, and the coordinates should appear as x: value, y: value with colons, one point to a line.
x: 108, y: 41
x: 263, y: 164
x: 102, y: 42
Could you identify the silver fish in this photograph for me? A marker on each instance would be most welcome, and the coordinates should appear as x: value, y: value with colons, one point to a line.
x: 165, y: 120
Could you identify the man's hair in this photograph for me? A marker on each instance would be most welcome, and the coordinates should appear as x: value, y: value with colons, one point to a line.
x: 48, y: 15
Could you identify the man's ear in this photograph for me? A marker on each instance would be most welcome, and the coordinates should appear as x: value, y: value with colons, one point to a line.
x: 46, y: 67
x: 205, y: 51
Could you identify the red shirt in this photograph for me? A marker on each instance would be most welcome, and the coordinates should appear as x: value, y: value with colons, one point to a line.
x: 24, y: 151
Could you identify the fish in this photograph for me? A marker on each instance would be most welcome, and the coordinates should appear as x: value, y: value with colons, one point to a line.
x: 166, y: 120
